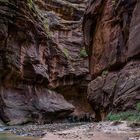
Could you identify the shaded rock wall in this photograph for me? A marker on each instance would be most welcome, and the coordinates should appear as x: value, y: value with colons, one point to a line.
x: 33, y: 61
x: 111, y: 39
x: 64, y: 20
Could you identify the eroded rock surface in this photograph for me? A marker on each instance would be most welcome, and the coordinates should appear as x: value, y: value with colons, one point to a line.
x: 64, y: 19
x: 39, y: 55
x: 111, y: 38
x: 118, y: 91
x: 33, y: 105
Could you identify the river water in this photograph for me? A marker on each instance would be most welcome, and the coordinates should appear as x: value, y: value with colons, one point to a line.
x: 8, y: 136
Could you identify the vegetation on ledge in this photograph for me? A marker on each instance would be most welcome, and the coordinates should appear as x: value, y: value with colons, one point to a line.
x: 125, y: 116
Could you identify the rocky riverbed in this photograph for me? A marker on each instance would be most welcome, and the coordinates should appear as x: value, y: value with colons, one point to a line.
x: 74, y: 131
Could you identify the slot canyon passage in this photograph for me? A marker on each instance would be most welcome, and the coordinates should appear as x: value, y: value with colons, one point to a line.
x: 66, y: 64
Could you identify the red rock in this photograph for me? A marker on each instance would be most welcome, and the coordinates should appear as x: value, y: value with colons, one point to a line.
x: 134, y: 41
x: 111, y: 38
x: 33, y: 60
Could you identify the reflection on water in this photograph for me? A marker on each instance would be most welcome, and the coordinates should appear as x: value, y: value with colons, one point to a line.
x: 4, y: 136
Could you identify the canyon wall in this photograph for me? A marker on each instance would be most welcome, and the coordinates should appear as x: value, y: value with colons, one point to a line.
x: 64, y: 19
x: 42, y: 60
x: 111, y: 36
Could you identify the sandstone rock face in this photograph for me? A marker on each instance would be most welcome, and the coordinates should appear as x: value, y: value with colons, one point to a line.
x: 117, y: 91
x: 32, y: 105
x: 39, y: 55
x: 111, y: 39
x: 64, y: 19
x: 134, y: 42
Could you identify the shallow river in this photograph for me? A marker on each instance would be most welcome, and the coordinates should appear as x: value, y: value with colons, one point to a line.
x: 7, y: 136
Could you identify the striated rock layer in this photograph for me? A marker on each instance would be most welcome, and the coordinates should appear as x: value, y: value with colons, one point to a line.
x: 111, y: 35
x: 40, y: 45
x: 64, y: 20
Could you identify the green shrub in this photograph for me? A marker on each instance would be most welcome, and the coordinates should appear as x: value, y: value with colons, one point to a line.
x: 121, y: 116
x: 138, y: 106
x: 105, y: 72
x: 135, y: 118
x: 83, y: 53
